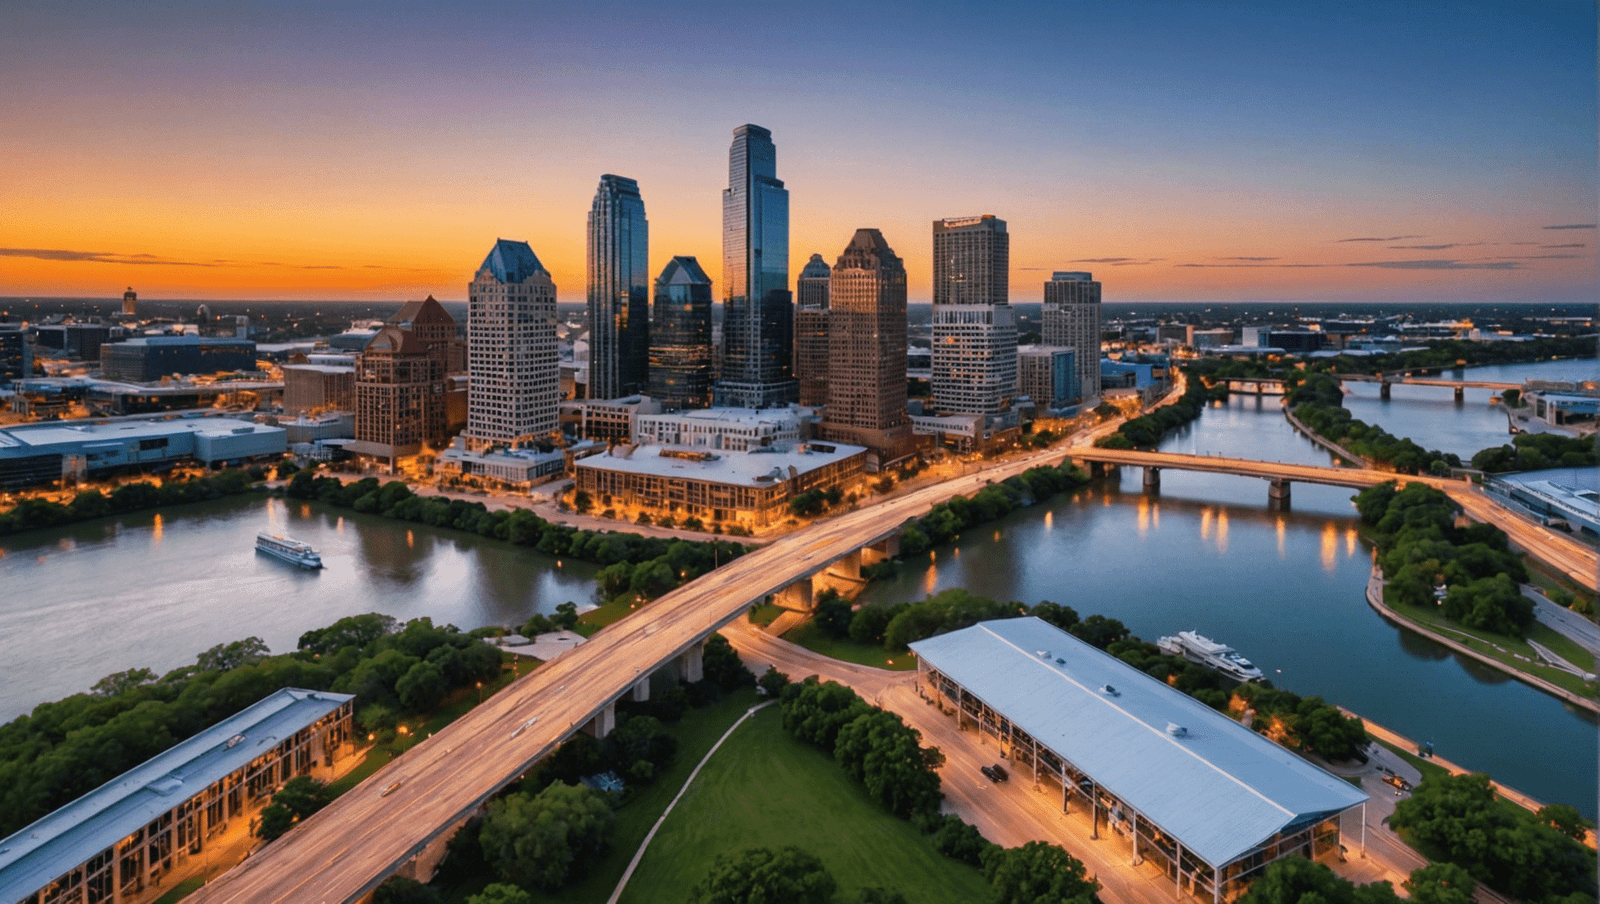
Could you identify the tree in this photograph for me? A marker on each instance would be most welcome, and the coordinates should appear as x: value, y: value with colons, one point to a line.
x: 297, y: 799
x: 421, y: 687
x: 546, y: 840
x: 121, y: 682
x: 1441, y: 883
x: 222, y: 657
x: 1296, y: 880
x: 1038, y: 873
x: 582, y: 502
x: 1565, y: 819
x: 640, y: 738
x: 500, y: 893
x: 815, y: 711
x: 772, y: 681
x: 764, y: 876
x: 400, y: 890
x: 833, y: 614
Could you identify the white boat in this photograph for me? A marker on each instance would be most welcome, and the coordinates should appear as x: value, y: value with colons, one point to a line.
x: 289, y: 550
x: 1204, y: 650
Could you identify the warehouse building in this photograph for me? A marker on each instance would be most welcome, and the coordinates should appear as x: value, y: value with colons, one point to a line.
x: 34, y: 454
x: 115, y: 844
x: 1201, y: 796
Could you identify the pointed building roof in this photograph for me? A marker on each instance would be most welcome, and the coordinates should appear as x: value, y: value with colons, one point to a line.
x: 816, y: 268
x: 683, y: 270
x: 425, y: 311
x: 392, y: 340
x: 512, y: 262
x: 868, y: 250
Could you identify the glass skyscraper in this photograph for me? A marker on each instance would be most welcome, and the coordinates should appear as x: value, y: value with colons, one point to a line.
x: 680, y: 341
x: 757, y: 315
x: 619, y: 290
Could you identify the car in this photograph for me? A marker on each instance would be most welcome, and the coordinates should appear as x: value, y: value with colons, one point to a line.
x: 989, y: 773
x: 1398, y: 782
x: 999, y: 772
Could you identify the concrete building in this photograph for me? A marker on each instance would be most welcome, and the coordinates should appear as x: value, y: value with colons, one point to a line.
x: 1215, y: 338
x: 605, y: 420
x: 81, y: 341
x: 16, y: 353
x: 115, y: 844
x: 811, y: 332
x: 514, y: 469
x: 974, y: 327
x: 866, y: 381
x: 318, y: 387
x: 731, y: 429
x: 1048, y: 375
x: 750, y: 488
x: 1072, y: 319
x: 146, y: 360
x: 1207, y: 799
x: 433, y: 326
x: 511, y: 349
x: 618, y: 291
x: 400, y: 397
x: 758, y: 315
x: 681, y: 350
x: 130, y: 303
x: 34, y: 454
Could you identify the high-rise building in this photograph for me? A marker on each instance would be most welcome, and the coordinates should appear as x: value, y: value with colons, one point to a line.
x: 974, y: 327
x: 16, y: 353
x: 400, y: 396
x: 1048, y: 375
x: 680, y: 337
x: 130, y: 303
x: 436, y: 330
x: 619, y: 290
x: 514, y: 375
x: 867, y: 349
x: 811, y: 332
x: 1071, y: 316
x: 757, y: 314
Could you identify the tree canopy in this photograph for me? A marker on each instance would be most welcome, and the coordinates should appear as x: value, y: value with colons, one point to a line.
x: 544, y: 841
x: 788, y: 875
x: 1038, y: 873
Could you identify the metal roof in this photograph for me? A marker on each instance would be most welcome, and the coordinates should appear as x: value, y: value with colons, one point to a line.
x: 60, y: 841
x: 1216, y: 786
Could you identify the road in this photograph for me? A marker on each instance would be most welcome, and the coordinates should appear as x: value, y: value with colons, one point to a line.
x: 351, y: 846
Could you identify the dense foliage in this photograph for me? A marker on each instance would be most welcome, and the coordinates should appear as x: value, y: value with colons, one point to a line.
x: 1420, y: 550
x: 945, y: 521
x: 34, y: 514
x: 1451, y: 352
x: 764, y: 876
x: 645, y: 567
x: 546, y: 840
x: 67, y: 748
x: 297, y: 799
x: 1147, y: 430
x: 1538, y: 451
x: 874, y: 746
x: 1038, y: 873
x: 1455, y: 818
x: 1318, y: 402
x: 1296, y: 880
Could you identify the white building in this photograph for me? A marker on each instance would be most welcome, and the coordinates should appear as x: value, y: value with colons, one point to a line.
x: 733, y: 429
x: 974, y: 327
x: 511, y: 349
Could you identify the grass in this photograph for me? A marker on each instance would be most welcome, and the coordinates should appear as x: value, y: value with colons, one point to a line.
x: 765, y: 615
x: 808, y: 635
x: 1428, y: 768
x: 763, y: 788
x: 1501, y: 648
x: 182, y: 890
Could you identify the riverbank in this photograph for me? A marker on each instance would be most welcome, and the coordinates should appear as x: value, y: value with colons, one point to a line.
x: 1374, y: 594
x: 1320, y: 440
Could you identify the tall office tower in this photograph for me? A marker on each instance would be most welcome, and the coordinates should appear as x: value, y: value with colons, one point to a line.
x: 680, y: 337
x: 514, y: 378
x: 757, y: 315
x: 811, y: 332
x: 1072, y: 318
x: 619, y: 291
x: 400, y: 396
x: 974, y: 327
x: 436, y: 330
x: 16, y: 353
x: 867, y: 349
x: 130, y: 303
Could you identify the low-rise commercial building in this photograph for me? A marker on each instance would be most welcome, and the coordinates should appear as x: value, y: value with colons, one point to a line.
x: 732, y: 429
x: 499, y: 466
x: 318, y: 387
x: 116, y: 843
x: 751, y: 488
x: 149, y: 359
x: 604, y: 419
x: 1206, y: 798
x: 33, y: 454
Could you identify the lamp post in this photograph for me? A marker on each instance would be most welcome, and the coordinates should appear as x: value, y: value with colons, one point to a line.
x: 480, y: 692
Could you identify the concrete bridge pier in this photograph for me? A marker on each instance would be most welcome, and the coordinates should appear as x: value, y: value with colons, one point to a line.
x: 604, y: 722
x: 640, y: 692
x: 1383, y: 390
x: 1152, y: 480
x: 1278, y: 493
x: 425, y: 862
x: 848, y: 567
x: 1461, y: 394
x: 691, y: 663
x: 881, y: 551
x: 797, y: 596
x: 1098, y: 469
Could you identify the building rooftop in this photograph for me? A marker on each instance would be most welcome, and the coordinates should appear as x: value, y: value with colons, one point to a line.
x: 730, y: 416
x: 758, y: 467
x: 512, y: 262
x: 56, y: 433
x: 1216, y: 786
x: 56, y: 843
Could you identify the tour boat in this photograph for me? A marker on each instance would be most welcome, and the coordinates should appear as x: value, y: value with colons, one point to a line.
x: 289, y: 550
x: 1206, y: 651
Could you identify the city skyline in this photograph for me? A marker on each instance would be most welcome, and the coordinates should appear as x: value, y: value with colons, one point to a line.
x: 1185, y: 152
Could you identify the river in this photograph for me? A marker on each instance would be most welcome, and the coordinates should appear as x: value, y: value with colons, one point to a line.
x: 154, y: 590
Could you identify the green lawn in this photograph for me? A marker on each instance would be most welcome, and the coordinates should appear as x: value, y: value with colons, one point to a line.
x: 807, y: 635
x: 765, y: 789
x: 1486, y: 642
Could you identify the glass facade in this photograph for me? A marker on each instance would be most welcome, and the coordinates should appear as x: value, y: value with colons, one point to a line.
x: 758, y: 315
x: 619, y: 294
x: 680, y: 346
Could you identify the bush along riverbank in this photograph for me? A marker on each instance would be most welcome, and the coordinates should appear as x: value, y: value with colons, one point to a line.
x: 87, y: 505
x: 945, y: 521
x: 1145, y: 431
x: 1318, y: 402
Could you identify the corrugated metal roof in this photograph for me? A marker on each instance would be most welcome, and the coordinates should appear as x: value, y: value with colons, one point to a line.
x: 1219, y: 788
x: 60, y: 841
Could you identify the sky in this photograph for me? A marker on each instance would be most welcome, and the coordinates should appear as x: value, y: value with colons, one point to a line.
x: 1204, y: 151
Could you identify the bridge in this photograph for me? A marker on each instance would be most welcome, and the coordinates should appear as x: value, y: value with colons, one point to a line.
x: 1274, y: 386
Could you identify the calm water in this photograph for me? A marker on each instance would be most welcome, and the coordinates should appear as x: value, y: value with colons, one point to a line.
x: 1431, y: 417
x: 77, y: 604
x: 1285, y: 589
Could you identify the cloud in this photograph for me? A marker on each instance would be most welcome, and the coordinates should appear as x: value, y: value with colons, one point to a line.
x: 1573, y: 226
x: 1435, y: 247
x: 97, y: 257
x: 1231, y: 266
x: 1117, y: 261
x: 1247, y: 258
x: 1568, y: 245
x: 1551, y: 257
x: 1390, y: 238
x: 1441, y: 265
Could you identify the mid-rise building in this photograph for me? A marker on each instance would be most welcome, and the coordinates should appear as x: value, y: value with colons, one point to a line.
x: 758, y: 316
x: 433, y: 326
x: 511, y: 349
x: 731, y: 429
x: 1047, y: 374
x: 400, y: 397
x: 974, y: 326
x: 130, y: 303
x: 74, y: 340
x: 680, y: 338
x: 619, y: 292
x: 1071, y: 315
x: 146, y: 360
x: 16, y: 353
x: 318, y: 387
x: 867, y: 349
x: 811, y: 332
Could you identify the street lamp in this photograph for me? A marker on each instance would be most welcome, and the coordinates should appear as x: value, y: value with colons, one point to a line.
x: 480, y: 692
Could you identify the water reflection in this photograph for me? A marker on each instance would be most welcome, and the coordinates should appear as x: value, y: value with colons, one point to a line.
x: 1330, y: 546
x: 155, y: 529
